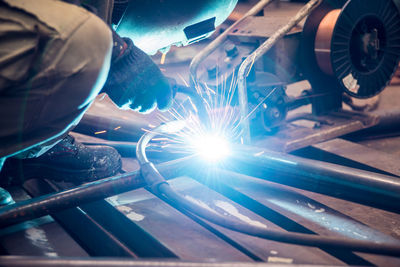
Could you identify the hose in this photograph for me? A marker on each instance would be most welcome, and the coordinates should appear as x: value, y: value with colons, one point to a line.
x: 159, y: 185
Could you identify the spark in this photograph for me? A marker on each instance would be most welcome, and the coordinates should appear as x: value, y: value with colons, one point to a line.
x: 101, y: 132
x: 189, y: 135
x: 194, y: 138
x: 257, y: 106
x: 261, y: 102
x: 160, y: 139
x: 163, y: 56
x: 251, y: 66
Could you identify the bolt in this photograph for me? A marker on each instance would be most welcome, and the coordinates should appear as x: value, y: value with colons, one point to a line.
x: 231, y: 50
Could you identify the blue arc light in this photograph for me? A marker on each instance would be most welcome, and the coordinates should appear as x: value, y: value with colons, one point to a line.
x: 211, y: 147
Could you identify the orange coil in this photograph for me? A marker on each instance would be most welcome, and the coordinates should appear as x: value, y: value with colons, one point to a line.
x: 323, y: 41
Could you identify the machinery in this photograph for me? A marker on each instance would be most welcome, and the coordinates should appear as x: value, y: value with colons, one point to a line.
x: 344, y: 49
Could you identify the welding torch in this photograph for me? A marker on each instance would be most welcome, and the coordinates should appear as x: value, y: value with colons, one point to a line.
x: 196, y: 98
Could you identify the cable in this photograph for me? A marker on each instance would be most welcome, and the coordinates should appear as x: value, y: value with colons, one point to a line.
x: 159, y: 185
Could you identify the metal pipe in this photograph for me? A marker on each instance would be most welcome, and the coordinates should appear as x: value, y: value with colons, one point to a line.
x: 35, y: 261
x: 381, y: 190
x: 47, y: 204
x: 247, y: 64
x: 221, y: 38
x: 388, y: 126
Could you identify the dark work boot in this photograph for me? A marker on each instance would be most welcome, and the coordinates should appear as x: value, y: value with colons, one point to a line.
x: 68, y: 161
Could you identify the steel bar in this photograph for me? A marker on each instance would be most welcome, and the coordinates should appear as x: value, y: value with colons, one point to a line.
x: 221, y: 38
x: 370, y: 187
x: 247, y: 64
x: 44, y: 205
x: 388, y: 126
x: 118, y: 262
x: 82, y: 227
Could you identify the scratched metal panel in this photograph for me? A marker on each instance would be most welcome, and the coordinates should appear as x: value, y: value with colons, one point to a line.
x: 312, y: 214
x: 39, y: 237
x: 269, y: 251
x: 184, y: 237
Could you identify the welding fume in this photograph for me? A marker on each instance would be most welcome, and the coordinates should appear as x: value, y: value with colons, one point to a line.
x: 57, y: 56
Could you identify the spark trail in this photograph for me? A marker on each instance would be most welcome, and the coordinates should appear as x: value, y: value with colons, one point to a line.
x: 224, y: 118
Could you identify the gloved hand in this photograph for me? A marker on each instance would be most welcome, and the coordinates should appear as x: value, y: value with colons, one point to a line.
x: 135, y: 81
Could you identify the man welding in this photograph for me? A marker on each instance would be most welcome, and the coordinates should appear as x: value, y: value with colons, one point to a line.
x: 57, y: 56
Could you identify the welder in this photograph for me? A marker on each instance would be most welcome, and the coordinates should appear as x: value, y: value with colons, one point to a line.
x: 57, y: 56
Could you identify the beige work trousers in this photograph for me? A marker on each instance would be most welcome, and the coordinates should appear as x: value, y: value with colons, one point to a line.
x: 54, y: 60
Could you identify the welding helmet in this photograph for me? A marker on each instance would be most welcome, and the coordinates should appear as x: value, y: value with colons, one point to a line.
x: 157, y: 24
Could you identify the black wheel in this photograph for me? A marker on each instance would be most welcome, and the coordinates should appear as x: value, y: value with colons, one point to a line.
x: 365, y: 48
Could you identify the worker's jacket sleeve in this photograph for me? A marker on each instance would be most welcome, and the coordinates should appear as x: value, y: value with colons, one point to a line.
x: 52, y: 66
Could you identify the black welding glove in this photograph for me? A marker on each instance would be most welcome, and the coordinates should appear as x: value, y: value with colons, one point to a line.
x: 135, y: 81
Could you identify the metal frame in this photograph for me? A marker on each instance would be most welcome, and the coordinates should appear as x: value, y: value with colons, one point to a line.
x: 247, y: 64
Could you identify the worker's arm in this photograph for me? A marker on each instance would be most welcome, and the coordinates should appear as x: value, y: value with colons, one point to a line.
x: 134, y: 80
